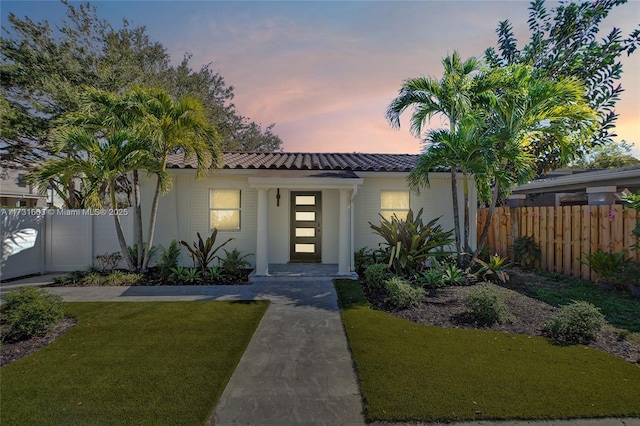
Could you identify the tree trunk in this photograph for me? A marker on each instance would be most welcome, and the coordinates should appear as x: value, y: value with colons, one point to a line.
x: 137, y: 211
x: 123, y: 243
x: 465, y: 192
x: 152, y: 225
x: 456, y: 212
x: 487, y: 224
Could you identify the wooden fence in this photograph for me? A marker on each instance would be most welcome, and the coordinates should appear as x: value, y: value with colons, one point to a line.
x: 563, y: 233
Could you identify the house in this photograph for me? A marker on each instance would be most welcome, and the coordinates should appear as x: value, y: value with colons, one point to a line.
x: 578, y: 187
x: 16, y: 192
x: 297, y: 207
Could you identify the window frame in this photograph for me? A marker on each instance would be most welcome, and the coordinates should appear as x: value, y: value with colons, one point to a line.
x: 395, y: 210
x: 238, y: 209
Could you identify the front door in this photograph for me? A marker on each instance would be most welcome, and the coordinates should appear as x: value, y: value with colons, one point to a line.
x: 306, y: 227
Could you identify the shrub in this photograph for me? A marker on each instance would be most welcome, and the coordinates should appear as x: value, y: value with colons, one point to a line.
x: 605, y: 265
x: 485, y: 305
x: 108, y: 261
x: 431, y: 278
x: 495, y: 268
x: 403, y: 295
x: 168, y: 259
x: 410, y: 242
x: 526, y: 251
x: 31, y: 311
x: 119, y: 278
x: 202, y: 251
x: 377, y: 274
x: 182, y: 275
x: 452, y: 275
x: 578, y: 322
x: 364, y: 258
x: 233, y: 265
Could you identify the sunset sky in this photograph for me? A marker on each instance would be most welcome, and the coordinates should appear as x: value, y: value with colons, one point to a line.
x: 325, y: 72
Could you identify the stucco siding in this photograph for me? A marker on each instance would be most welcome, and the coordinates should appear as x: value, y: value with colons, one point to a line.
x: 435, y: 201
x: 185, y: 211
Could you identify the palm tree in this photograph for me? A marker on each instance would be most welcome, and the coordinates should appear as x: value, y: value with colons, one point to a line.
x: 168, y: 126
x: 467, y: 150
x: 101, y: 162
x: 529, y: 108
x: 453, y: 97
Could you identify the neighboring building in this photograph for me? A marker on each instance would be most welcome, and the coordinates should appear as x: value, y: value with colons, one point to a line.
x: 298, y: 207
x: 577, y: 187
x: 15, y: 192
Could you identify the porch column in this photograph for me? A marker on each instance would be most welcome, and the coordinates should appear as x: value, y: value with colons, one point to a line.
x: 344, y: 246
x: 262, y: 237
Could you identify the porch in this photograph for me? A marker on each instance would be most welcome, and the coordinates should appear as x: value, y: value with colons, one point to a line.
x: 301, y: 272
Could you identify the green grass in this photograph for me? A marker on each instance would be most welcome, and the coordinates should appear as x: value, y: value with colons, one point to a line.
x: 618, y: 308
x: 412, y: 372
x: 150, y: 363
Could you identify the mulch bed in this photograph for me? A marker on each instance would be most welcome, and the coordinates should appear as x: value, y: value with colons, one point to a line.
x: 13, y: 350
x: 446, y: 308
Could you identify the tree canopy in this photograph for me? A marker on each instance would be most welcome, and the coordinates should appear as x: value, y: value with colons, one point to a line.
x: 43, y: 70
x: 563, y: 43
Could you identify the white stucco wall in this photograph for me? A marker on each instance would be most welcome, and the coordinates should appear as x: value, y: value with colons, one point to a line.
x: 435, y: 200
x: 185, y: 211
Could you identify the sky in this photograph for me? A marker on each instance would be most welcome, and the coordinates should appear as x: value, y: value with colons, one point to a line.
x: 325, y: 72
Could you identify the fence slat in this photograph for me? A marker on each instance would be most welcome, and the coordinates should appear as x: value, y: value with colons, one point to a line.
x: 543, y: 238
x: 576, y: 222
x: 551, y: 235
x: 566, y: 239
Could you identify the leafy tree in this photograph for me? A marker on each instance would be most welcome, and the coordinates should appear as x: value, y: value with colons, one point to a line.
x: 467, y: 150
x: 564, y: 43
x: 608, y: 155
x: 43, y: 71
x: 167, y: 125
x: 530, y: 107
x: 453, y: 97
x: 101, y: 162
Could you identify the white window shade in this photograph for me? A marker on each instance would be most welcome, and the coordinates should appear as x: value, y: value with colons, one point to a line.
x: 224, y: 209
x: 224, y: 199
x: 394, y: 203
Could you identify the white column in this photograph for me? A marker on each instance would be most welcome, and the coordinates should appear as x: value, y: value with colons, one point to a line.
x: 344, y: 246
x: 262, y: 237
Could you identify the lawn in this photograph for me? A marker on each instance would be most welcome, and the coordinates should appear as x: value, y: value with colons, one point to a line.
x: 412, y: 372
x: 150, y: 363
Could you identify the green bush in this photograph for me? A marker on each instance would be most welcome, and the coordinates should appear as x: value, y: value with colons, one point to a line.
x: 31, y: 311
x: 485, y: 305
x: 578, y: 322
x: 526, y: 251
x: 375, y: 275
x: 233, y: 265
x: 168, y: 259
x: 411, y: 243
x: 403, y: 295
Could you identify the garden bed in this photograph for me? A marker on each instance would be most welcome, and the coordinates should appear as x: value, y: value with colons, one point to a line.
x: 446, y: 309
x: 119, y: 277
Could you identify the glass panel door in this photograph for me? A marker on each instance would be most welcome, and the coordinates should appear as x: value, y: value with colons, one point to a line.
x: 306, y: 227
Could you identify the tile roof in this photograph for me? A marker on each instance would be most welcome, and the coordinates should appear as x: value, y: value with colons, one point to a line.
x: 308, y: 161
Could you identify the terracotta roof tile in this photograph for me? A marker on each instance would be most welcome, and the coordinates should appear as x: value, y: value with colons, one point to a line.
x: 308, y: 161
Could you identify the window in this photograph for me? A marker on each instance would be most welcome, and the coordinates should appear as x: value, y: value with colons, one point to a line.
x: 224, y: 209
x: 394, y: 202
x: 22, y: 183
